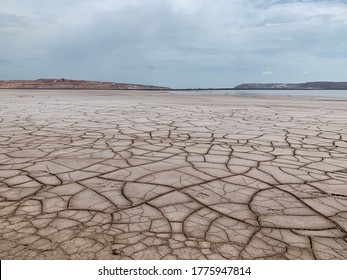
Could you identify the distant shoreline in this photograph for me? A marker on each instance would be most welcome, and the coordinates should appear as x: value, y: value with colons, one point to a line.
x: 67, y: 84
x: 169, y: 89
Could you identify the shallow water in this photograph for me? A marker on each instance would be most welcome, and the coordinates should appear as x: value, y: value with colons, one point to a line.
x: 318, y: 93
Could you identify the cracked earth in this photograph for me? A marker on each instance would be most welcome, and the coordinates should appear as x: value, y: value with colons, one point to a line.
x: 141, y: 175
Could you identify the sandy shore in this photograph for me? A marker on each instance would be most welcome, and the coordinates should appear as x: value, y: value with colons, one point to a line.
x: 156, y: 175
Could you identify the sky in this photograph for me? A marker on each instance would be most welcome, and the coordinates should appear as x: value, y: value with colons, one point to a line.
x: 175, y: 43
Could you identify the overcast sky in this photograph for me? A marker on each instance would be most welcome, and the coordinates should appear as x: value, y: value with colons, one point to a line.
x: 176, y: 43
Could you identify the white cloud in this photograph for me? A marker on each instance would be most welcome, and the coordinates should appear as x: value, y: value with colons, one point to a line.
x: 265, y: 73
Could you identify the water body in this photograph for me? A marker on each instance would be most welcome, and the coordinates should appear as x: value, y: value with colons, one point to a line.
x: 311, y: 93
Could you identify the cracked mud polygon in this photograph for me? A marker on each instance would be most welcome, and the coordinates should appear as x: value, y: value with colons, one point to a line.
x: 151, y: 175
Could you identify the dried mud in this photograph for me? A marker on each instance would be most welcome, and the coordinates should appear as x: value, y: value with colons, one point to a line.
x: 155, y: 175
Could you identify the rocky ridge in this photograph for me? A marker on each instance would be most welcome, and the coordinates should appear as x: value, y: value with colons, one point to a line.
x: 296, y: 86
x: 72, y: 84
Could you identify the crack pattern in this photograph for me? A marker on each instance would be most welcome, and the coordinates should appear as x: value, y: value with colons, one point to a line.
x: 95, y: 176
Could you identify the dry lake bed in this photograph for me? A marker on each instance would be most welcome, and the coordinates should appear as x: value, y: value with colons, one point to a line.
x: 158, y: 175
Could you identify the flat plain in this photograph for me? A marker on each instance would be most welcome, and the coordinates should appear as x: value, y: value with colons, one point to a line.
x: 160, y: 175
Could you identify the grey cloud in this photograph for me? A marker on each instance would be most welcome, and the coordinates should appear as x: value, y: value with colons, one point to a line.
x: 219, y: 43
x: 11, y: 21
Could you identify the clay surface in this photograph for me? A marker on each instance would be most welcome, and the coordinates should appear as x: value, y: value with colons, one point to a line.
x: 157, y: 175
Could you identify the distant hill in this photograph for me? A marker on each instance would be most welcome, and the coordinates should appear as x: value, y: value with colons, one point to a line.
x: 302, y: 86
x: 72, y: 84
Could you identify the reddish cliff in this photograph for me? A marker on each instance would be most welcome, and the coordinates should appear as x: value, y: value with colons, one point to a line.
x: 71, y: 84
